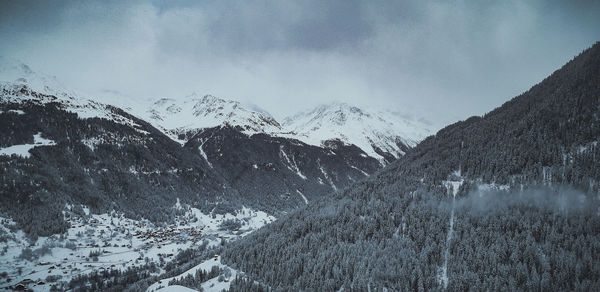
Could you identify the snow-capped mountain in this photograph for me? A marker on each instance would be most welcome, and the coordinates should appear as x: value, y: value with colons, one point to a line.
x: 216, y: 151
x: 242, y: 144
x: 19, y: 83
x: 181, y: 119
x: 380, y: 134
x: 17, y: 73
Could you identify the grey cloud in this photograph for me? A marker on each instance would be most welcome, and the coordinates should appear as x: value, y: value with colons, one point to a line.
x: 438, y: 58
x: 264, y: 26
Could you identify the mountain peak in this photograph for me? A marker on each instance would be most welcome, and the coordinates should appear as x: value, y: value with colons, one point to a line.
x: 380, y: 134
x: 195, y: 112
x: 15, y: 72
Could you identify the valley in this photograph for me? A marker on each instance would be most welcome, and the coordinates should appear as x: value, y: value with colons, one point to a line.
x: 96, y: 243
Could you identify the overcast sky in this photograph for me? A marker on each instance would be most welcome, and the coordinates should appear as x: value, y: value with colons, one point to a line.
x: 456, y: 58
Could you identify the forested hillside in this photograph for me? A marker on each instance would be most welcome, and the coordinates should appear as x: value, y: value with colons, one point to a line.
x: 58, y: 150
x: 96, y: 162
x: 274, y: 173
x: 506, y: 201
x: 548, y: 134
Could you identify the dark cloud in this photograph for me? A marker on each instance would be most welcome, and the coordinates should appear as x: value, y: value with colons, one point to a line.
x: 439, y: 58
x: 264, y: 26
x: 17, y: 17
x: 330, y: 25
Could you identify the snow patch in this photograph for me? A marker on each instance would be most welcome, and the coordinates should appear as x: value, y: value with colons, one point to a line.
x: 20, y: 84
x: 453, y: 187
x: 360, y: 170
x: 18, y: 112
x: 303, y: 197
x: 492, y: 187
x: 175, y: 288
x: 326, y: 177
x: 291, y: 164
x: 23, y: 149
x: 204, y: 155
x: 210, y: 285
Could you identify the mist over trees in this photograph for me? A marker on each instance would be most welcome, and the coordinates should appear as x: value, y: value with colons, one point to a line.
x: 501, y: 241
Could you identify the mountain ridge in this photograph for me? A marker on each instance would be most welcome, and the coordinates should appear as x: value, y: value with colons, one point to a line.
x: 222, y: 167
x: 380, y: 134
x: 185, y: 118
x: 383, y: 135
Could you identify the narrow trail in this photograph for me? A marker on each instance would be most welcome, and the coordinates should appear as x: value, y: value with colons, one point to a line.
x: 454, y: 187
x: 444, y: 277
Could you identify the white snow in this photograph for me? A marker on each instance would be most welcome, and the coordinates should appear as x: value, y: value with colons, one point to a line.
x: 210, y: 285
x: 18, y: 112
x: 23, y: 149
x: 360, y: 170
x: 14, y: 71
x: 22, y: 84
x: 251, y: 220
x: 303, y: 197
x: 326, y: 177
x: 364, y: 127
x: 291, y: 164
x: 492, y: 186
x: 194, y: 113
x: 453, y: 187
x: 175, y: 288
x: 124, y: 242
x: 204, y: 155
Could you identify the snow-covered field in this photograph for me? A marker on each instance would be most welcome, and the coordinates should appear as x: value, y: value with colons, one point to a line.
x: 23, y: 150
x: 98, y: 242
x: 211, y: 285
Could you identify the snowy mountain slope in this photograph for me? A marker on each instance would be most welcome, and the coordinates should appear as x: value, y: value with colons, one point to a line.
x: 381, y: 134
x: 280, y: 173
x: 181, y: 119
x: 19, y: 83
x: 16, y: 72
x: 218, y: 132
x: 93, y: 153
